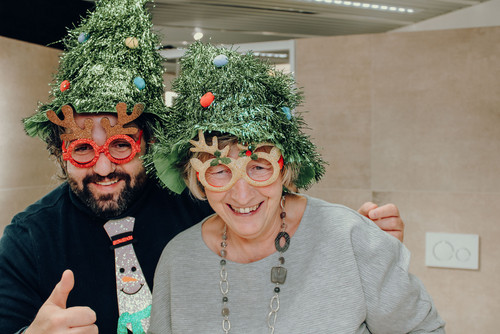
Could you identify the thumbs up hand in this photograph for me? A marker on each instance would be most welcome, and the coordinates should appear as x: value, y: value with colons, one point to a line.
x: 53, y: 317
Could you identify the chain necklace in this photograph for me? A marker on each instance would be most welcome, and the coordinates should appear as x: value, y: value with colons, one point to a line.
x: 278, y: 275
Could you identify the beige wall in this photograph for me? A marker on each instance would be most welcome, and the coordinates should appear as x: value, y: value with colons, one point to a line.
x: 414, y: 119
x: 25, y: 169
x: 409, y: 118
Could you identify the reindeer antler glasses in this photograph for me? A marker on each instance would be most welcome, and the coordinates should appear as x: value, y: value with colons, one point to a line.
x: 83, y: 152
x: 221, y: 172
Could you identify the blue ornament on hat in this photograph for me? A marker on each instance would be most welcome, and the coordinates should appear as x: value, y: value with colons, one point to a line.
x: 287, y: 112
x: 220, y: 60
x: 139, y: 83
x: 83, y: 37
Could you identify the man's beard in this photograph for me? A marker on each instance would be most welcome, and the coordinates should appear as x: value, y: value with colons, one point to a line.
x: 110, y: 205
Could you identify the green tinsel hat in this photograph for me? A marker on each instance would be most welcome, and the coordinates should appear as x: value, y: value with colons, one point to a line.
x: 224, y: 91
x: 110, y: 58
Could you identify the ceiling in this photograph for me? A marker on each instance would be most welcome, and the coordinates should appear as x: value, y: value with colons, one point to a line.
x: 228, y: 22
x: 240, y: 21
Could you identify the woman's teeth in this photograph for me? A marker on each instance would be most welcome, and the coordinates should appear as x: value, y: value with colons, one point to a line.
x: 246, y: 210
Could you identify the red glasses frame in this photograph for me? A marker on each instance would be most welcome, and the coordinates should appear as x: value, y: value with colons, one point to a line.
x: 136, y: 148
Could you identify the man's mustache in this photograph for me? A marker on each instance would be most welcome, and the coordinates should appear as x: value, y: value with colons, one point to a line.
x: 93, y: 178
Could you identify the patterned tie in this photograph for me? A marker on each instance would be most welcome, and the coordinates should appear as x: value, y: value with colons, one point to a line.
x: 134, y: 295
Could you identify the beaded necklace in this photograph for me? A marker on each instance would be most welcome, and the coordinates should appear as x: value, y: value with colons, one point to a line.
x: 278, y: 275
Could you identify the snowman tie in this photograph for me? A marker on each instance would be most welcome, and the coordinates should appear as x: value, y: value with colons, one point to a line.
x: 134, y: 295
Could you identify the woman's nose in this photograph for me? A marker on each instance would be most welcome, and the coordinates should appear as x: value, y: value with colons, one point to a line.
x: 241, y: 191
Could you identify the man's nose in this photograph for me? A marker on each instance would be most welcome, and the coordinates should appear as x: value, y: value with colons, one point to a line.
x: 103, y: 165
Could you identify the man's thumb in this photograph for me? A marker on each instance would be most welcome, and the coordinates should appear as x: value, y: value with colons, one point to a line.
x: 59, y: 295
x: 366, y: 208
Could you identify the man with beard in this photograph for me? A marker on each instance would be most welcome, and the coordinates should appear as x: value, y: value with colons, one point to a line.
x: 67, y: 229
x: 106, y: 188
x: 108, y: 223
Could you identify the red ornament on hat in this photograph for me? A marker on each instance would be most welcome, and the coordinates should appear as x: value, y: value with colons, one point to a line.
x: 207, y: 99
x: 64, y: 85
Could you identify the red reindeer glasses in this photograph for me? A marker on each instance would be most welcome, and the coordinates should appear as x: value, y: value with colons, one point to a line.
x: 83, y: 152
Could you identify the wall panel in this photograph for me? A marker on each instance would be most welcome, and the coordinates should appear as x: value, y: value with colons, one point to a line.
x: 26, y: 172
x: 414, y: 119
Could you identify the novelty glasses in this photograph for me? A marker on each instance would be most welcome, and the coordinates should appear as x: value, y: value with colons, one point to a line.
x: 220, y: 173
x: 84, y: 153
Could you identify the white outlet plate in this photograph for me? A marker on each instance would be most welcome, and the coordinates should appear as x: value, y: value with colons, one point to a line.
x: 452, y: 250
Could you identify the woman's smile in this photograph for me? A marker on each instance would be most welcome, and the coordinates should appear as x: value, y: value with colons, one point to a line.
x: 245, y: 210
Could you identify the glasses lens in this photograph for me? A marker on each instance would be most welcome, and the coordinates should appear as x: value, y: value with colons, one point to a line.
x: 218, y: 176
x: 82, y: 153
x: 120, y: 148
x: 260, y: 170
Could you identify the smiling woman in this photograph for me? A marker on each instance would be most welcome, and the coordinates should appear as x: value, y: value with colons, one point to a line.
x: 246, y: 153
x: 247, y: 206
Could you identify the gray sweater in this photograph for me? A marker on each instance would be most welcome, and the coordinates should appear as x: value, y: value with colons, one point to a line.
x: 345, y: 275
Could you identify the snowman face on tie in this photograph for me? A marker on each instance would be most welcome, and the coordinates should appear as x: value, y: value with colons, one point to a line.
x: 129, y: 276
x: 130, y: 279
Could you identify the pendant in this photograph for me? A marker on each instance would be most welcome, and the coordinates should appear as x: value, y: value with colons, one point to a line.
x: 282, y: 235
x: 278, y: 275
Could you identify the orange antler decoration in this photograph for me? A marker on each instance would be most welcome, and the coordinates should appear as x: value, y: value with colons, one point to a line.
x: 123, y: 119
x: 69, y: 123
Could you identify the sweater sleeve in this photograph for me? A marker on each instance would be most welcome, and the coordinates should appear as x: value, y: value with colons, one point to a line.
x: 18, y: 279
x: 397, y: 301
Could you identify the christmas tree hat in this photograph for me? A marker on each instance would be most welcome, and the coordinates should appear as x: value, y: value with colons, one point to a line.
x: 224, y: 91
x: 110, y: 58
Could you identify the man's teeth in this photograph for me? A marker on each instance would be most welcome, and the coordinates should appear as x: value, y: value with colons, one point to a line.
x: 107, y: 183
x: 246, y: 210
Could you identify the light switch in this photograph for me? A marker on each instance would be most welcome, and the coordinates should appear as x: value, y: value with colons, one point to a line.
x: 452, y: 250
